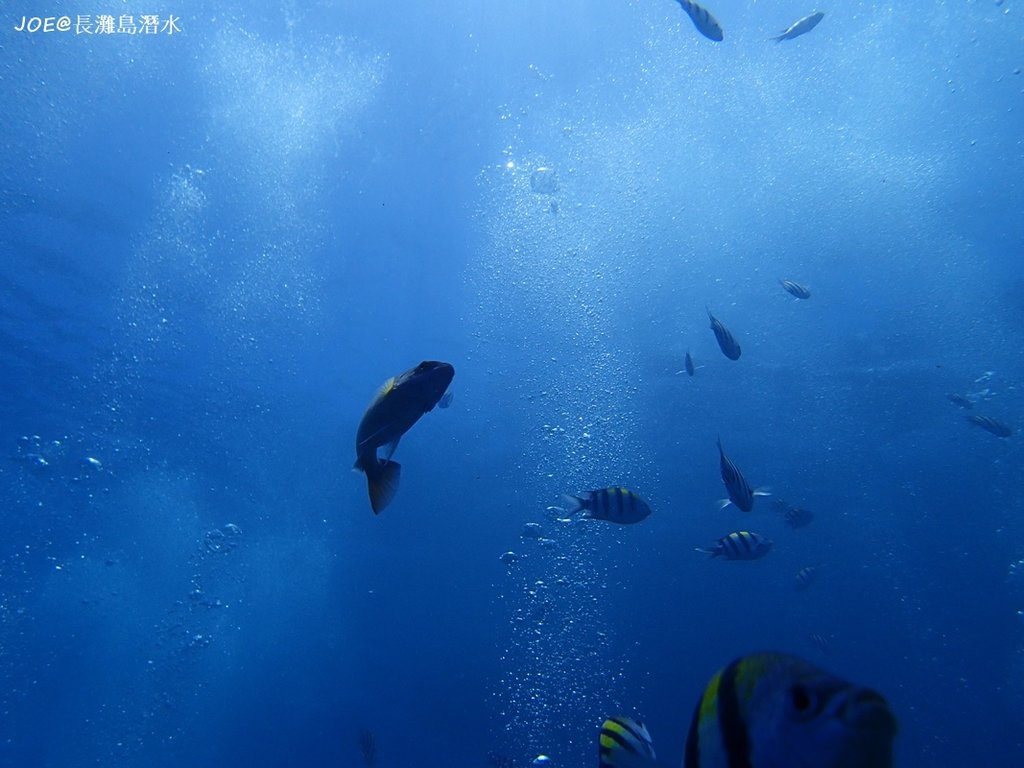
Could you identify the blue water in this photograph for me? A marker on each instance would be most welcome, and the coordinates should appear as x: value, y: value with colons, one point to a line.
x: 215, y: 246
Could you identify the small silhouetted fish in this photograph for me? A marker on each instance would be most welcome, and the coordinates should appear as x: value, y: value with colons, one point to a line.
x: 705, y: 23
x: 802, y: 27
x: 989, y: 424
x: 805, y: 577
x: 795, y: 517
x: 796, y: 289
x: 740, y: 545
x: 616, y: 505
x: 688, y: 364
x: 959, y: 401
x: 821, y: 642
x: 725, y: 340
x: 736, y: 485
x: 368, y: 746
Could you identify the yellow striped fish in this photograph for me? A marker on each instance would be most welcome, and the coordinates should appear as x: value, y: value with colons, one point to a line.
x: 616, y: 505
x: 770, y: 710
x: 624, y: 742
x: 702, y: 19
x: 739, y: 545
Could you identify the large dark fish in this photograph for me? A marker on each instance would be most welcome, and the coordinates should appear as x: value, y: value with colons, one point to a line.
x: 705, y: 23
x: 989, y: 424
x: 396, y: 407
x: 736, y: 485
x: 796, y: 289
x: 725, y: 340
x: 802, y: 27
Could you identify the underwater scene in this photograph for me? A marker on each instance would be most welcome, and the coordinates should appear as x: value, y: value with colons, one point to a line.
x: 568, y: 383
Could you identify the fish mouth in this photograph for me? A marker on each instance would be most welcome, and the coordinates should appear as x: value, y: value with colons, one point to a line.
x: 866, y: 710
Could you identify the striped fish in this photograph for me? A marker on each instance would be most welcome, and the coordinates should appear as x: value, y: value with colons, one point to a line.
x: 616, y: 505
x: 802, y: 27
x: 735, y: 484
x: 624, y: 742
x: 778, y: 711
x: 795, y: 517
x: 739, y: 545
x: 725, y: 340
x: 805, y: 577
x: 796, y: 289
x: 989, y: 424
x: 705, y: 23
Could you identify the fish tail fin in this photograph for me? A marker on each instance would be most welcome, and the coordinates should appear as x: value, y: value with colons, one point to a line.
x: 573, y: 504
x: 383, y: 484
x: 714, y: 552
x: 778, y: 38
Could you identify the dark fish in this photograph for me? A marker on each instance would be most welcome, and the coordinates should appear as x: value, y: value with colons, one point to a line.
x: 820, y: 642
x: 802, y: 27
x: 740, y: 545
x: 989, y: 424
x: 796, y: 289
x: 368, y: 747
x: 624, y: 742
x: 735, y: 484
x: 779, y: 711
x: 396, y: 407
x: 795, y: 517
x: 725, y: 340
x: 705, y: 23
x: 616, y: 505
x: 688, y: 364
x: 960, y: 401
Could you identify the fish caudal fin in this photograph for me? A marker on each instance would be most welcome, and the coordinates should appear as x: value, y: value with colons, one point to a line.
x: 383, y: 484
x: 714, y: 551
x: 573, y: 504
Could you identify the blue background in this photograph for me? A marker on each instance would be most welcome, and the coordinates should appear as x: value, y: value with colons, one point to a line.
x: 214, y: 247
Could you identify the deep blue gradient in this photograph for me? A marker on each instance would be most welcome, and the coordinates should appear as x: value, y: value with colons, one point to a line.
x: 215, y: 246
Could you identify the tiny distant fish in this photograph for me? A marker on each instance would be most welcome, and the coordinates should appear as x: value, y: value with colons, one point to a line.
x: 959, y: 401
x: 795, y: 517
x: 725, y: 340
x: 736, y: 485
x: 616, y: 505
x: 802, y: 27
x: 820, y: 642
x: 739, y: 545
x: 446, y: 399
x: 705, y: 23
x: 989, y: 424
x: 688, y: 364
x: 796, y: 289
x: 805, y: 577
x: 624, y: 741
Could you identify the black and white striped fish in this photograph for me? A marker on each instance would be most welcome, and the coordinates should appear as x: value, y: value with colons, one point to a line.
x: 796, y: 289
x: 736, y: 485
x: 739, y: 545
x: 725, y: 340
x: 705, y: 23
x: 802, y: 27
x: 616, y: 505
x: 623, y: 743
x: 805, y: 577
x: 989, y: 424
x: 795, y: 517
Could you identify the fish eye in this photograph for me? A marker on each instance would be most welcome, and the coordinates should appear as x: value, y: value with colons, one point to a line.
x: 803, y: 702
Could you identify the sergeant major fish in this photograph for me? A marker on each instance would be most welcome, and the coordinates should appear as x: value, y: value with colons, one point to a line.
x: 396, y: 407
x: 772, y: 710
x: 989, y: 424
x: 739, y: 545
x: 802, y: 27
x: 735, y: 484
x: 616, y: 505
x: 794, y: 288
x: 725, y: 340
x: 702, y: 19
x: 622, y: 742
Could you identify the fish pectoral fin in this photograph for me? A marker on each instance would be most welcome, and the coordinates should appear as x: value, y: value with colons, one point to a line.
x: 383, y: 484
x: 763, y: 491
x: 723, y: 503
x: 389, y: 449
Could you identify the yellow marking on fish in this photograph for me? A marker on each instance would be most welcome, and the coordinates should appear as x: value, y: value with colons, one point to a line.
x: 709, y: 702
x: 748, y: 674
x: 386, y: 387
